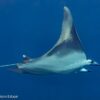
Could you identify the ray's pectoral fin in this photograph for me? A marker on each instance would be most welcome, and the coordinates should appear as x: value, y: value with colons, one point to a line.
x: 68, y: 41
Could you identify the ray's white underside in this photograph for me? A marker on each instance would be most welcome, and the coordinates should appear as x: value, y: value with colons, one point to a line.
x: 58, y: 64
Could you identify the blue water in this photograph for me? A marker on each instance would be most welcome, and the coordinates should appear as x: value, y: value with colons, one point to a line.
x: 32, y: 27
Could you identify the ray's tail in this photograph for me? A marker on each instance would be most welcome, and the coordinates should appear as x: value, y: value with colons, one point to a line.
x: 9, y: 65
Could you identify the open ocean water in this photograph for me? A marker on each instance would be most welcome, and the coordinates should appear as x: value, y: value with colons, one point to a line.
x: 32, y: 27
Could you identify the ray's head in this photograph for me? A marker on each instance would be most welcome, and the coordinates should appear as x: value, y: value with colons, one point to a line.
x: 92, y: 62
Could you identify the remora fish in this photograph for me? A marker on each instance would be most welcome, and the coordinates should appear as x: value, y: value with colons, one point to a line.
x: 65, y: 56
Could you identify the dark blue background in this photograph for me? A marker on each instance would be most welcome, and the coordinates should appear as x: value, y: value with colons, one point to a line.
x: 32, y: 27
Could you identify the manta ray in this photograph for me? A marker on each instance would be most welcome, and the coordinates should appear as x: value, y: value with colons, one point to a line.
x: 65, y: 56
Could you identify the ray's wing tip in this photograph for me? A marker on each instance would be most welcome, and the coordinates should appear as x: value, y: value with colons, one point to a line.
x: 66, y: 8
x: 66, y: 12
